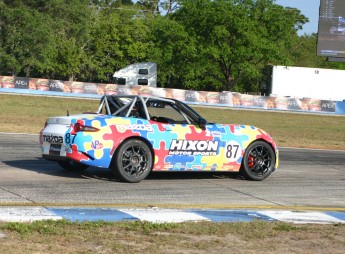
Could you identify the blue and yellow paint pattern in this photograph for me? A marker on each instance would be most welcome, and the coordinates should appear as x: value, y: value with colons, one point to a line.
x: 218, y: 147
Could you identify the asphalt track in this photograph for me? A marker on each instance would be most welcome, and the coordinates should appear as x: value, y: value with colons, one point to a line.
x: 306, y: 179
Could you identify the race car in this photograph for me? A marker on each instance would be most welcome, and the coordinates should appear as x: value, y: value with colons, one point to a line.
x: 134, y: 135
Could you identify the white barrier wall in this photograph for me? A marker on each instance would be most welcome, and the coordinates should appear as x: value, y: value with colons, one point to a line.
x: 301, y: 82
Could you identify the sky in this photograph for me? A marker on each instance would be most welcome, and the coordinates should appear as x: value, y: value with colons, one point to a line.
x: 309, y: 8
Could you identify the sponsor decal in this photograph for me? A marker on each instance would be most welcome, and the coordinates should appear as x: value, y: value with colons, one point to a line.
x: 197, y: 167
x: 193, y: 147
x: 328, y: 106
x: 56, y: 85
x: 192, y: 96
x: 21, y: 83
x: 225, y: 98
x: 90, y: 88
x: 293, y: 103
x: 216, y: 134
x: 259, y: 101
x: 137, y: 127
x: 123, y: 90
x: 96, y: 145
x: 52, y: 139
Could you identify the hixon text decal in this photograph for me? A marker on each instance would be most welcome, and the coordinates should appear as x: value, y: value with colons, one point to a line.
x: 193, y: 147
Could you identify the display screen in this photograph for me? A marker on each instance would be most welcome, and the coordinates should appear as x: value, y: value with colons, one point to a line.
x: 331, y: 34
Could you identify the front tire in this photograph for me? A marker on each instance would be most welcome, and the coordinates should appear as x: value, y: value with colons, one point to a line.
x: 72, y: 165
x: 132, y: 161
x: 258, y: 161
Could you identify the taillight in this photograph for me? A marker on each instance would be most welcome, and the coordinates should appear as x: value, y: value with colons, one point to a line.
x: 41, y: 133
x: 79, y: 127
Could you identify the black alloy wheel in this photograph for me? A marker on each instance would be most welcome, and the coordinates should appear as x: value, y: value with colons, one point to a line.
x: 258, y: 161
x: 132, y: 161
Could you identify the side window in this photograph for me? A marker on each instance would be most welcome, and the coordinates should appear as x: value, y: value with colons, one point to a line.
x: 137, y: 111
x: 120, y: 81
x: 143, y: 71
x: 166, y: 114
x: 143, y: 82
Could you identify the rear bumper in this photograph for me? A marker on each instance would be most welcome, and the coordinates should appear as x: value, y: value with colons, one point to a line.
x: 54, y: 157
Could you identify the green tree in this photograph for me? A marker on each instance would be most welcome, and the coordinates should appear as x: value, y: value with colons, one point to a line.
x: 161, y: 6
x: 118, y: 39
x: 149, y: 5
x: 126, y: 2
x: 235, y: 39
x: 169, y: 6
x: 173, y: 47
x: 199, y: 44
x: 73, y: 22
x: 45, y: 38
x: 303, y: 54
x: 26, y: 41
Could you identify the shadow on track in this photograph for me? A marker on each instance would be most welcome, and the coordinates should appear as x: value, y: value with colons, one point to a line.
x: 42, y: 166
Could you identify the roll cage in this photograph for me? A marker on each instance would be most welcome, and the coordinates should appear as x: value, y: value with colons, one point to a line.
x: 150, y: 108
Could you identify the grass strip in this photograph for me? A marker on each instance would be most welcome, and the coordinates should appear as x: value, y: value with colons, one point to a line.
x: 27, y: 114
x: 143, y: 237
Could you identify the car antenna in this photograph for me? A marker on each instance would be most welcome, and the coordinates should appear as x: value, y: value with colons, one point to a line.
x: 67, y: 112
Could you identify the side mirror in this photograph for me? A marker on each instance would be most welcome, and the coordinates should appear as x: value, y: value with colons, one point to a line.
x: 202, y: 123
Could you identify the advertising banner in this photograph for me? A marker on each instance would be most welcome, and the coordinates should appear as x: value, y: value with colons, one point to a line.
x: 7, y: 82
x: 328, y: 106
x: 21, y: 83
x: 56, y: 85
x: 225, y: 98
x: 90, y: 88
x: 191, y: 96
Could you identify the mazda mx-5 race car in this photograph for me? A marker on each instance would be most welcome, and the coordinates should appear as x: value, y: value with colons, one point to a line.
x: 133, y: 135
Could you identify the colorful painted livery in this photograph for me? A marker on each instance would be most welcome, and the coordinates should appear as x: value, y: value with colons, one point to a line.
x: 133, y: 135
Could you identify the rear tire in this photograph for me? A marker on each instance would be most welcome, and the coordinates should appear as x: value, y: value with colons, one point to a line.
x: 132, y: 161
x: 72, y: 165
x: 258, y: 161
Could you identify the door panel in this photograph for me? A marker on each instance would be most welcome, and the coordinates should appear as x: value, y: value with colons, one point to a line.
x: 188, y: 147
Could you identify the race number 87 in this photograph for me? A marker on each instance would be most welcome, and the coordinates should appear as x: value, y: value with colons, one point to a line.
x: 233, y: 151
x: 69, y: 139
